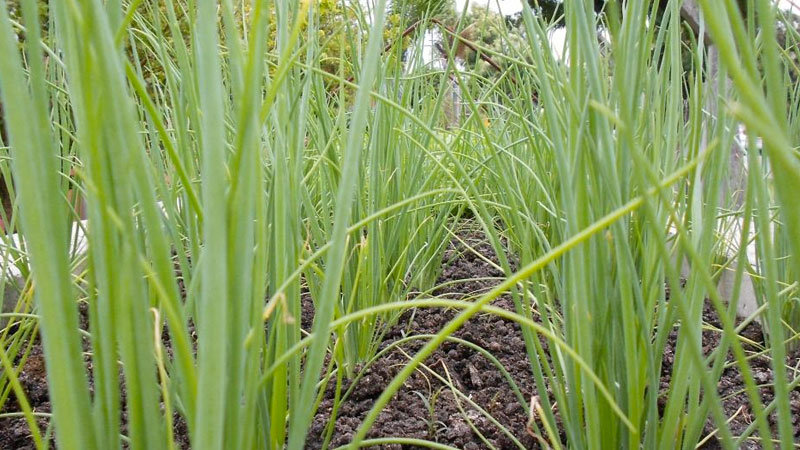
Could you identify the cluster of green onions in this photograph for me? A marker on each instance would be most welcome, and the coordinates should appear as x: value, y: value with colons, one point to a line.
x: 197, y: 146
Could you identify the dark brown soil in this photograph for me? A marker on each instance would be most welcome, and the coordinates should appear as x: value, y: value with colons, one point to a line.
x: 427, y: 408
x: 731, y: 386
x: 15, y: 433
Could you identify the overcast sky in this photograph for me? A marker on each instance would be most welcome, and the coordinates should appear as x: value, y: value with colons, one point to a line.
x: 505, y: 7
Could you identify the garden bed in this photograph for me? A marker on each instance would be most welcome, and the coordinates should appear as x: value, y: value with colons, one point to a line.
x: 426, y: 407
